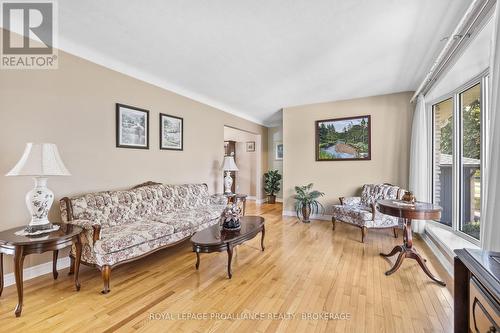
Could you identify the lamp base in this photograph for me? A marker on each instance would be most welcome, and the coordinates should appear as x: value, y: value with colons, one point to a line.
x: 38, y: 201
x: 228, y: 183
x: 36, y: 228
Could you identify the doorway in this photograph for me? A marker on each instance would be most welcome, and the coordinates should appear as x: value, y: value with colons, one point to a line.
x: 247, y: 149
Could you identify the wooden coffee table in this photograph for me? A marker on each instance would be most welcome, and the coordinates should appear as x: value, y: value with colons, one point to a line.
x: 213, y: 239
x: 408, y: 212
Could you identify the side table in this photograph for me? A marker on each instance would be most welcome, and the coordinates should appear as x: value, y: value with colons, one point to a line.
x: 409, y: 212
x: 21, y: 246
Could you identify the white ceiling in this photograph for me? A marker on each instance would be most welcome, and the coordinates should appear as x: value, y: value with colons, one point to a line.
x: 252, y: 57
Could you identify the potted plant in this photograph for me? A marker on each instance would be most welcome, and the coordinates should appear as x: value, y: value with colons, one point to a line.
x: 272, y: 185
x: 307, y: 202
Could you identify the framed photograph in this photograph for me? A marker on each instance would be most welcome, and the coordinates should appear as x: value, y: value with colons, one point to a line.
x: 278, y: 151
x: 171, y: 132
x: 343, y: 139
x: 250, y: 146
x: 132, y: 127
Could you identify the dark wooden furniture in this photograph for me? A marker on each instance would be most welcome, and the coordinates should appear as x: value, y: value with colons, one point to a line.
x: 230, y: 149
x: 21, y: 246
x: 477, y: 291
x: 409, y: 212
x: 238, y: 199
x: 214, y: 239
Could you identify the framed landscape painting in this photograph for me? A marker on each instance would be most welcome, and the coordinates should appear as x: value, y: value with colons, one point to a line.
x: 132, y: 127
x: 171, y: 132
x: 343, y: 139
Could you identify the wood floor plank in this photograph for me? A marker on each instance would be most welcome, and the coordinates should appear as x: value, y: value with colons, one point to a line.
x: 306, y: 270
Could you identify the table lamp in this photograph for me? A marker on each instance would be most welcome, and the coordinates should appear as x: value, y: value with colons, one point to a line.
x: 228, y: 166
x: 39, y: 160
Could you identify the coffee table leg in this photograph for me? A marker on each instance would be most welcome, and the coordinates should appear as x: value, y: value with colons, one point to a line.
x: 262, y: 239
x: 78, y: 256
x: 18, y: 267
x: 229, y: 259
x: 54, y: 264
x: 197, y: 260
x: 1, y: 273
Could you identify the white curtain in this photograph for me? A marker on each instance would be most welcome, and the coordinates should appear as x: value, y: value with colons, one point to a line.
x: 490, y: 220
x: 419, y: 158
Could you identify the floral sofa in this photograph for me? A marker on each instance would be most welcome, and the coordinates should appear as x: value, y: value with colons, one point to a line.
x: 362, y: 211
x: 122, y: 226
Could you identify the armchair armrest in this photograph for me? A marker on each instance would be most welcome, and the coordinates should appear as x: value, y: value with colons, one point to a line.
x: 218, y: 199
x: 88, y: 225
x: 350, y: 201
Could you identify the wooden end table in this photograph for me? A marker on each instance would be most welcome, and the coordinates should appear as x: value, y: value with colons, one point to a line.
x: 21, y: 246
x: 237, y: 198
x: 215, y: 239
x: 409, y: 212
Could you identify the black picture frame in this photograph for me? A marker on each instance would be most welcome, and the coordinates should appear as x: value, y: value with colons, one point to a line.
x: 120, y: 108
x: 162, y: 146
x: 250, y: 146
x: 317, y: 141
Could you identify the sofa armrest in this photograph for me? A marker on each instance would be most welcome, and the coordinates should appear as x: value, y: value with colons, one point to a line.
x: 218, y: 199
x: 350, y: 201
x: 88, y: 225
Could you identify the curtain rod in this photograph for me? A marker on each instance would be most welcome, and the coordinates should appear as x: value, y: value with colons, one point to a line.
x: 474, y: 15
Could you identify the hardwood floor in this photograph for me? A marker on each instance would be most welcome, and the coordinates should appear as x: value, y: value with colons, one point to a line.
x: 305, y: 269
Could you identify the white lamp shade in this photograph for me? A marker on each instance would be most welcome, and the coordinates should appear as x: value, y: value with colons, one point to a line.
x: 229, y: 164
x: 40, y: 159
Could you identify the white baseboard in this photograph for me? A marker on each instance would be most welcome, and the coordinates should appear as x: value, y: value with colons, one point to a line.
x: 257, y: 201
x: 35, y: 271
x: 323, y: 217
x: 438, y: 253
x: 261, y: 201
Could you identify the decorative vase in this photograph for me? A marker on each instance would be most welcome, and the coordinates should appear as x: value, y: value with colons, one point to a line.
x: 271, y: 199
x: 409, y: 197
x: 231, y: 217
x: 306, y: 212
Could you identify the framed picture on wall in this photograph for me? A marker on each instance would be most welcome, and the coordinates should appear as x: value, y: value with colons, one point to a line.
x: 250, y: 146
x: 343, y: 139
x: 171, y: 132
x: 278, y: 151
x: 132, y: 127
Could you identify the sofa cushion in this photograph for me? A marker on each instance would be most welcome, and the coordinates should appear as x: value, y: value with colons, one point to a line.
x: 92, y: 206
x: 121, y: 237
x: 190, y: 219
x: 354, y: 214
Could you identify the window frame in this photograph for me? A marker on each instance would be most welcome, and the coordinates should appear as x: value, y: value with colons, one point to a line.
x: 457, y: 170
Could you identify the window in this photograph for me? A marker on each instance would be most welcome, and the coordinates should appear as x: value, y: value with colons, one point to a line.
x: 458, y: 135
x: 443, y: 153
x: 470, y: 161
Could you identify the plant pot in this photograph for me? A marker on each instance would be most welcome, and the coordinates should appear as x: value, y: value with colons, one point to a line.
x: 306, y: 212
x: 271, y: 199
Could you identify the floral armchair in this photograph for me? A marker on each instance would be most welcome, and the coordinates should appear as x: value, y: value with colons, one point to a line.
x: 362, y: 212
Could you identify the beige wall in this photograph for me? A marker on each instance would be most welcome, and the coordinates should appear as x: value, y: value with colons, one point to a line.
x: 249, y: 174
x: 74, y: 107
x: 391, y: 130
x: 275, y: 135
